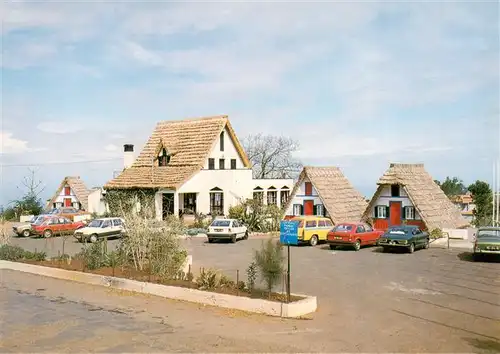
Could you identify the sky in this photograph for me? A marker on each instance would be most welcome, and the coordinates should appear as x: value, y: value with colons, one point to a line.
x: 358, y: 84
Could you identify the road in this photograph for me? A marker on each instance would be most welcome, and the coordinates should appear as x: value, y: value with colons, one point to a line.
x: 434, y: 300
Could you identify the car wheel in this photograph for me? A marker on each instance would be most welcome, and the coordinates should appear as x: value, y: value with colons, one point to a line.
x: 426, y: 245
x: 26, y: 233
x: 385, y: 249
x: 333, y: 247
x: 210, y: 240
x: 411, y: 249
x: 93, y: 238
x: 233, y: 239
x: 47, y: 233
x: 246, y: 235
x: 314, y: 240
x: 357, y: 245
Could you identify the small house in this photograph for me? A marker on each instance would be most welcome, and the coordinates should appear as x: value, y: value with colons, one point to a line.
x: 72, y: 192
x: 407, y: 194
x: 195, y: 166
x: 325, y: 191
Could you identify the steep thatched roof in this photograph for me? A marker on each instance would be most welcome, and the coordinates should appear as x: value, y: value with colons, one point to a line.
x: 340, y: 199
x: 434, y: 207
x: 188, y: 142
x: 78, y: 187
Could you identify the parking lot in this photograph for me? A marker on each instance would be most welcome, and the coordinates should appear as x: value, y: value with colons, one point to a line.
x: 434, y: 300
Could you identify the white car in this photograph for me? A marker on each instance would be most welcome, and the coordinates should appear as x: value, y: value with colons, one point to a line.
x: 227, y: 229
x: 100, y: 228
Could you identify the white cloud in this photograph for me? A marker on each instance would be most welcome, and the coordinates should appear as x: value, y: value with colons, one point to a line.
x: 111, y: 148
x: 11, y: 145
x: 59, y: 127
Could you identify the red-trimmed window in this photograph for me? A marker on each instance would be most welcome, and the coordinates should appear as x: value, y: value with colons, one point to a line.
x: 67, y: 190
x: 309, y: 188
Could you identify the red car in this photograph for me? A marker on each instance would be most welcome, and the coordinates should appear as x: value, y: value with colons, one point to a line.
x: 353, y: 235
x: 56, y: 225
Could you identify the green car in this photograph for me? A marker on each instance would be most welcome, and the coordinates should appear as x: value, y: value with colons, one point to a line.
x: 408, y: 237
x: 487, y: 242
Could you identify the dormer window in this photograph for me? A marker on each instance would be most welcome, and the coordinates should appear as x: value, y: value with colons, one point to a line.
x: 163, y: 157
x: 222, y: 141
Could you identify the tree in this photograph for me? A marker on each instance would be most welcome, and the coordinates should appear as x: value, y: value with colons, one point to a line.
x: 452, y: 186
x: 482, y: 197
x: 272, y: 156
x: 30, y: 203
x: 269, y: 259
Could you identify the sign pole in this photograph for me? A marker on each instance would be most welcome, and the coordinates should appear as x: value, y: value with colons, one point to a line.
x: 288, y: 276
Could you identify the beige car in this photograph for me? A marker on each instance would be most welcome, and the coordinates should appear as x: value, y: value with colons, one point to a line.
x: 101, y: 228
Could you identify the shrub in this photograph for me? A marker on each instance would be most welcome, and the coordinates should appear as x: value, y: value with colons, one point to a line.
x: 11, y: 253
x: 208, y: 279
x: 251, y: 276
x: 436, y: 233
x: 257, y: 216
x: 114, y: 259
x: 269, y: 260
x: 93, y: 256
x: 34, y: 256
x: 225, y: 282
x: 241, y: 285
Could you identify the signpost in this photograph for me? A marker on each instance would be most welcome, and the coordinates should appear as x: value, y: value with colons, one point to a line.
x: 289, y: 235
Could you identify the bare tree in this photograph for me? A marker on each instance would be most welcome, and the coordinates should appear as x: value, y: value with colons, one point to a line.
x: 30, y: 202
x: 272, y: 156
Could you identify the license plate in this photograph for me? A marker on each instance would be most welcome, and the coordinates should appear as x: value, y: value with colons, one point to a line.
x: 218, y: 230
x: 338, y: 238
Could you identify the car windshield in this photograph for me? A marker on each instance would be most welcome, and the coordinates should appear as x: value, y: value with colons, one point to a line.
x: 221, y: 223
x: 488, y: 233
x: 343, y: 227
x: 54, y: 211
x: 95, y: 223
x: 37, y: 220
x: 398, y: 231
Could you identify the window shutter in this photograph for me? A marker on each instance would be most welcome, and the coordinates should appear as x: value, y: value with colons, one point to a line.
x: 388, y: 211
x: 376, y: 211
x: 403, y: 212
x: 315, y: 210
x: 301, y: 209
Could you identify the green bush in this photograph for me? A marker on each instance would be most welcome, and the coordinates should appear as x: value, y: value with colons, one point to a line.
x: 436, y: 233
x: 208, y: 279
x: 269, y: 260
x: 11, y: 253
x: 35, y: 256
x: 93, y: 256
x: 257, y: 216
x: 251, y: 276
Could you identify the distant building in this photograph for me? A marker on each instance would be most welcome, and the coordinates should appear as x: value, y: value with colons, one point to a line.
x: 466, y: 205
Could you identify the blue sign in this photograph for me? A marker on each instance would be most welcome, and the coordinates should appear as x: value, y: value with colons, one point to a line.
x: 289, y: 232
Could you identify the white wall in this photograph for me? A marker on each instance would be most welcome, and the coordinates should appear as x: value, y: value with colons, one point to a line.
x: 60, y: 199
x: 229, y: 153
x: 385, y: 199
x: 300, y: 196
x: 96, y: 202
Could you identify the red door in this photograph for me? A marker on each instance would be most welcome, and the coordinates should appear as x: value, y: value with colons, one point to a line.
x: 308, y: 207
x: 395, y: 213
x: 67, y: 202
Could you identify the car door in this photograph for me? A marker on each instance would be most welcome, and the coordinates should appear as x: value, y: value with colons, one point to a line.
x: 239, y: 229
x: 107, y: 228
x: 370, y: 235
x: 117, y: 227
x: 420, y: 237
x: 361, y: 234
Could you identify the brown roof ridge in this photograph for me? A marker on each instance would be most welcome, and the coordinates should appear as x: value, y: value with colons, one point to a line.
x: 397, y: 164
x: 193, y: 119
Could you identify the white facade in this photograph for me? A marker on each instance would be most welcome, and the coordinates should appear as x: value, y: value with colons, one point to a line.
x: 223, y: 182
x: 385, y: 198
x: 65, y: 194
x: 96, y: 202
x: 301, y: 196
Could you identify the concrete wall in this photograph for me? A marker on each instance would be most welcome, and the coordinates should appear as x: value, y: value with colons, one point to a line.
x: 96, y: 202
x: 462, y: 234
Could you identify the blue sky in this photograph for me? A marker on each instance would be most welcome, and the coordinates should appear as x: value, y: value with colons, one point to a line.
x: 359, y: 84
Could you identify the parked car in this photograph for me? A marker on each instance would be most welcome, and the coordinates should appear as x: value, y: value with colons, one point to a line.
x: 227, y: 229
x: 100, y: 228
x: 487, y: 242
x: 404, y: 236
x: 354, y: 235
x: 71, y: 213
x: 25, y: 229
x: 57, y: 225
x: 312, y: 229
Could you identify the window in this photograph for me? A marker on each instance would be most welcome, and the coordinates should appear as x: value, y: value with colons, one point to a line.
x: 394, y: 190
x: 360, y: 229
x: 258, y: 194
x: 319, y: 210
x: 297, y: 209
x: 221, y: 141
x: 308, y: 188
x: 343, y: 227
x: 409, y: 213
x: 222, y: 164
x: 163, y: 158
x: 106, y: 223
x: 211, y: 164
x: 381, y: 212
x: 322, y: 223
x: 368, y: 228
x: 284, y: 195
x: 328, y: 223
x: 189, y: 203
x: 216, y: 202
x: 221, y: 223
x: 272, y: 197
x: 63, y: 221
x: 117, y: 222
x: 53, y: 221
x: 233, y: 164
x: 310, y: 223
x: 236, y: 223
x: 67, y: 190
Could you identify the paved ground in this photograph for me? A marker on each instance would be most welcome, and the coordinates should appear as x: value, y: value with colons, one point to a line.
x: 434, y: 300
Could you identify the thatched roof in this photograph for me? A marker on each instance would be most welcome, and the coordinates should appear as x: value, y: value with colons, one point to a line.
x: 433, y: 206
x: 188, y: 142
x: 340, y: 199
x: 77, y: 186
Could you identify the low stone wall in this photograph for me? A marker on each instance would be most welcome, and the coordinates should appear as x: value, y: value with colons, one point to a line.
x: 461, y: 234
x: 295, y: 309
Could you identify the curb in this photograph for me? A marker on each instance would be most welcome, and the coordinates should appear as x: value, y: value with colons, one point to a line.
x: 271, y: 308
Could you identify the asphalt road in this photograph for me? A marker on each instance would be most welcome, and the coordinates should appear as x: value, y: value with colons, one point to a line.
x: 434, y: 300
